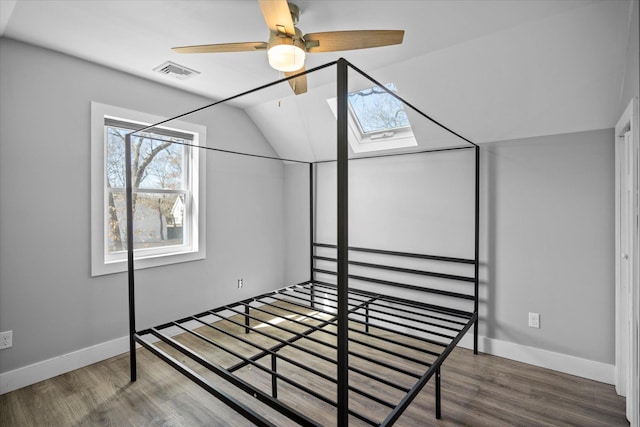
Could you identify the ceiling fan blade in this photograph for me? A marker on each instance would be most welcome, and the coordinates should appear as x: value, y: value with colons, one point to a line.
x: 333, y: 41
x: 298, y: 84
x: 222, y: 47
x: 277, y: 16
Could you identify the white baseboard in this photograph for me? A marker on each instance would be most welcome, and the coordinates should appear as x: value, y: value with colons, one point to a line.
x: 31, y: 374
x: 40, y: 371
x: 27, y: 375
x: 597, y: 371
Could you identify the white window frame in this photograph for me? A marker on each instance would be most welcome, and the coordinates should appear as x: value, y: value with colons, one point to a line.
x: 194, y: 248
x: 362, y: 142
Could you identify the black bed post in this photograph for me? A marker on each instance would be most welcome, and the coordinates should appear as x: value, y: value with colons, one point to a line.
x: 311, y: 235
x: 477, y: 252
x: 130, y: 266
x: 343, y: 247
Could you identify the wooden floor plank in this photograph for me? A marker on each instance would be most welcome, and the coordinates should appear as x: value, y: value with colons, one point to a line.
x: 477, y: 390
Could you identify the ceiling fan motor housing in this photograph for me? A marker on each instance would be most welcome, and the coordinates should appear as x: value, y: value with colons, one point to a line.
x: 295, y: 13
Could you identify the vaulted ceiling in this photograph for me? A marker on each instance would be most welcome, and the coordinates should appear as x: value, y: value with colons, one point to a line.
x: 492, y: 70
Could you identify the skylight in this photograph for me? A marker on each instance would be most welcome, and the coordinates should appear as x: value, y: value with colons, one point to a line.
x: 377, y: 120
x: 378, y: 111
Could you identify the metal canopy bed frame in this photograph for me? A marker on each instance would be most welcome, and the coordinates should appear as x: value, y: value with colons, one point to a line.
x: 358, y: 355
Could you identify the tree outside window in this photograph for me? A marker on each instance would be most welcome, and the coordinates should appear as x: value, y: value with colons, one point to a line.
x: 160, y: 182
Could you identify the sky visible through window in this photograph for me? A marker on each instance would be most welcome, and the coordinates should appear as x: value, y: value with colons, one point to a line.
x: 377, y: 111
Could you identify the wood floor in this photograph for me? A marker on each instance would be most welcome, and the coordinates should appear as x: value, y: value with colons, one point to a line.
x: 477, y: 390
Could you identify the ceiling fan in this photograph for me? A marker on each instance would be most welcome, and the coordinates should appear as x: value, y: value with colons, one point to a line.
x: 287, y: 47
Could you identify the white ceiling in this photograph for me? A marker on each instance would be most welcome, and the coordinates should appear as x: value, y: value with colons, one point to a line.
x: 491, y: 70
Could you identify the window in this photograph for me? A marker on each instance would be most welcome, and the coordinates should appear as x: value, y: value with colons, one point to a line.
x: 376, y: 111
x: 377, y: 120
x: 167, y: 174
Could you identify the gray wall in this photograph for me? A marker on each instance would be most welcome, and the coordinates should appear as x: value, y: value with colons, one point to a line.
x: 419, y: 203
x: 296, y: 213
x: 47, y: 296
x: 631, y: 83
x: 547, y: 230
x: 548, y: 242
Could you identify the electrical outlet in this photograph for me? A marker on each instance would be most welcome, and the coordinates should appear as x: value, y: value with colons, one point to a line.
x: 534, y: 320
x: 6, y: 339
x: 240, y: 283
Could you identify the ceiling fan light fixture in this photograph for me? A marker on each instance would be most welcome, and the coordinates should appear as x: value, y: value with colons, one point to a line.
x: 286, y: 54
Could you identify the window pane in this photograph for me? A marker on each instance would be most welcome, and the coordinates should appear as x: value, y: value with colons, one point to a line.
x: 159, y: 220
x: 377, y: 111
x: 158, y: 162
x: 161, y: 163
x: 115, y: 157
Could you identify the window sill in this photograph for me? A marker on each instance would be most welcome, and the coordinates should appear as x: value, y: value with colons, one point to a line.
x: 119, y: 266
